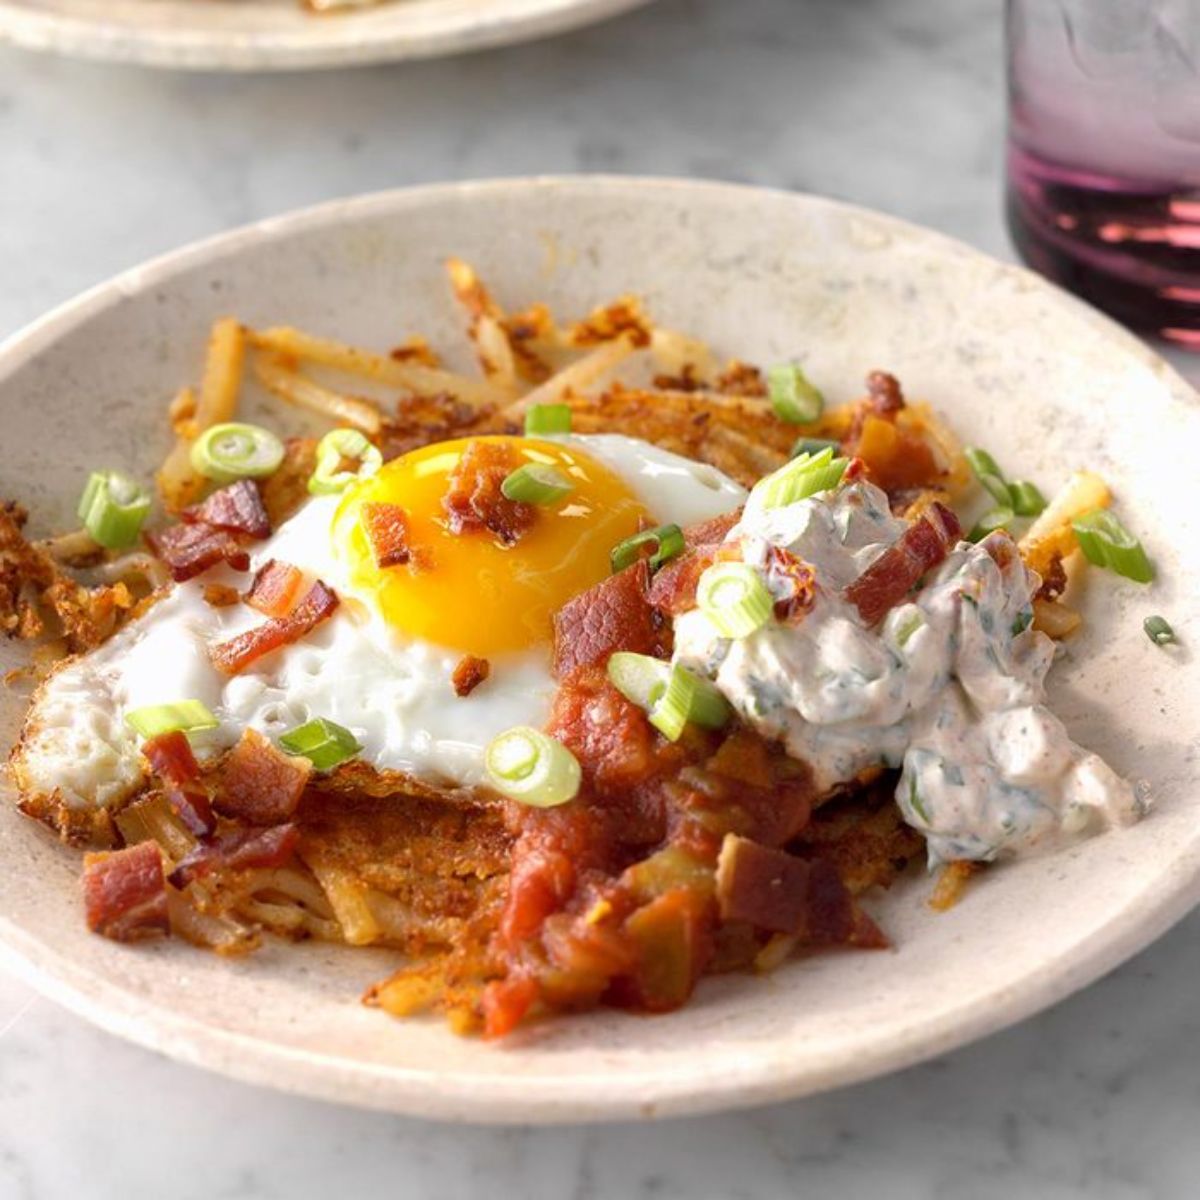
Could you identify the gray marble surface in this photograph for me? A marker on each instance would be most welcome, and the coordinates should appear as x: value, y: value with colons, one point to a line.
x: 891, y: 103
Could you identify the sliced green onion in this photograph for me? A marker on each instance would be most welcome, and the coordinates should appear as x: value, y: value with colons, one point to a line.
x: 638, y: 677
x: 548, y: 418
x: 333, y: 451
x: 811, y: 446
x: 904, y: 622
x: 535, y: 483
x: 802, y: 477
x: 685, y: 698
x: 666, y: 539
x: 1107, y: 543
x: 1027, y: 500
x: 527, y: 766
x: 734, y: 598
x: 914, y: 801
x: 184, y: 716
x: 999, y: 517
x: 324, y: 743
x: 113, y: 508
x: 988, y: 472
x: 1022, y: 621
x: 793, y: 398
x: 670, y: 694
x: 234, y: 450
x: 1159, y: 631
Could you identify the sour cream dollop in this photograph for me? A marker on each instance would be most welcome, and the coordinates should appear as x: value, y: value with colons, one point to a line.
x: 949, y: 687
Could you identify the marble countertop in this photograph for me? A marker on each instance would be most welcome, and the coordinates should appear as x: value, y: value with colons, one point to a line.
x: 894, y: 104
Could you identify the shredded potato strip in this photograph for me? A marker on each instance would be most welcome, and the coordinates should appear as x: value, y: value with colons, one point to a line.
x: 406, y: 375
x: 673, y: 351
x: 581, y: 374
x: 487, y: 331
x: 276, y: 373
x: 1051, y: 534
x: 217, y: 402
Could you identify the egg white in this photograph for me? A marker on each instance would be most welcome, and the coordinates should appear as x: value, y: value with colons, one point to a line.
x: 392, y: 691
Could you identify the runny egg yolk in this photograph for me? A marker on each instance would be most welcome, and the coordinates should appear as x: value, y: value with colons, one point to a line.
x: 468, y: 590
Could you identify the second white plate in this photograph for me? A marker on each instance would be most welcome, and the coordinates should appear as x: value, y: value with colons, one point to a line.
x: 276, y: 35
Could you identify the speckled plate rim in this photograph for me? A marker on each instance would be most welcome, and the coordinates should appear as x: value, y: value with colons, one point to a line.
x: 374, y: 35
x: 1173, y: 892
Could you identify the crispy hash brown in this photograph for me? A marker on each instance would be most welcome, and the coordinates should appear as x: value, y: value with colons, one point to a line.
x: 662, y: 870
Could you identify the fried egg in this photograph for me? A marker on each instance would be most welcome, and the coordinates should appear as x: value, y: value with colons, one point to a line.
x: 381, y: 665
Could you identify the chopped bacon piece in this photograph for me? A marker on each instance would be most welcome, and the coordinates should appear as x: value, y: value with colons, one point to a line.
x: 237, y: 508
x: 239, y: 652
x: 221, y: 595
x: 258, y: 783
x: 238, y: 851
x: 673, y: 590
x: 275, y: 588
x: 608, y: 734
x: 190, y: 803
x: 387, y: 531
x: 795, y: 579
x: 613, y: 615
x: 898, y: 569
x: 469, y: 673
x: 1054, y: 581
x: 706, y: 533
x: 187, y: 550
x: 125, y: 894
x: 884, y: 392
x: 474, y: 499
x: 774, y: 890
x: 171, y: 759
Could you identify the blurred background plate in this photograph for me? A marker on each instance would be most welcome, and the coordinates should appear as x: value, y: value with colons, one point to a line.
x: 268, y: 35
x: 1015, y: 364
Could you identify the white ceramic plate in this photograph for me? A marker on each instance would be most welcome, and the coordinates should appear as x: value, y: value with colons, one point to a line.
x: 268, y: 35
x: 1044, y: 382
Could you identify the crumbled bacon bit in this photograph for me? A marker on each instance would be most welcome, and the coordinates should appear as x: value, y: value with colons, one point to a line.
x: 188, y: 550
x: 275, y: 588
x: 796, y: 579
x: 673, y: 589
x: 386, y: 526
x: 258, y: 783
x: 469, y: 673
x: 613, y: 615
x: 777, y: 891
x: 1054, y: 580
x: 474, y: 499
x: 239, y: 652
x: 609, y: 735
x: 237, y: 508
x: 190, y: 803
x: 241, y: 850
x: 171, y: 759
x: 125, y: 894
x: 220, y: 595
x: 884, y: 392
x: 899, y: 568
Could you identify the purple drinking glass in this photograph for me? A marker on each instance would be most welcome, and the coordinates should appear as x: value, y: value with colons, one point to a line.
x: 1104, y: 154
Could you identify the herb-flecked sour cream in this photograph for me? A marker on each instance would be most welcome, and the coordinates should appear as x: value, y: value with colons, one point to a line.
x: 950, y: 686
